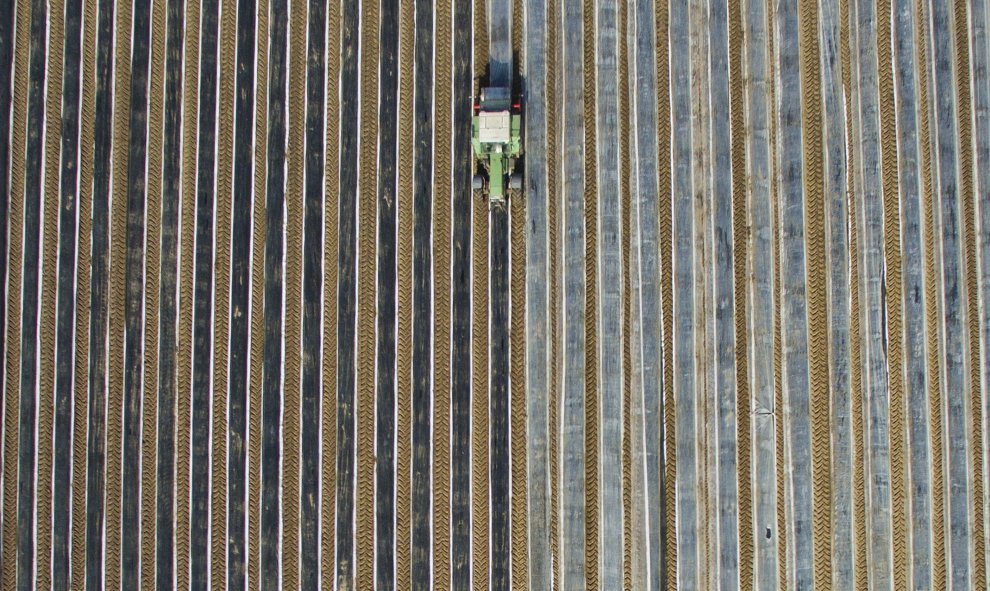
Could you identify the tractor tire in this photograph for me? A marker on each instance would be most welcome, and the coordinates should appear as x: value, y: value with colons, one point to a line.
x: 516, y: 181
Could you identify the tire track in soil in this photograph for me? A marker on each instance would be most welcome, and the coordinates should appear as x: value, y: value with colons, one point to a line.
x: 625, y: 179
x: 367, y: 211
x: 238, y: 470
x: 970, y: 260
x: 221, y: 297
x: 14, y: 281
x: 77, y: 567
x: 7, y: 33
x: 314, y: 267
x: 186, y: 248
x: 668, y: 537
x: 778, y: 403
x: 624, y: 31
x: 403, y: 468
x: 118, y: 285
x: 517, y: 282
x: 517, y: 368
x: 740, y: 244
x: 294, y: 202
x: 364, y: 530
x: 591, y: 389
x: 443, y: 67
x: 330, y: 260
x: 554, y: 44
x: 856, y: 381
x: 893, y: 283
x: 152, y: 296
x: 49, y: 285
x: 259, y: 238
x: 817, y: 317
x: 479, y: 341
x: 938, y: 579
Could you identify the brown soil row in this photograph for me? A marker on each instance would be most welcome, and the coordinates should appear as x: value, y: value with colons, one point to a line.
x: 625, y: 192
x: 84, y: 253
x: 817, y: 321
x: 221, y: 296
x: 480, y: 344
x: 183, y: 425
x: 554, y: 44
x: 368, y: 211
x: 403, y: 466
x: 49, y: 279
x: 258, y: 237
x: 966, y: 186
x: 442, y: 304
x: 895, y: 339
x: 740, y: 245
x: 14, y: 279
x: 118, y: 287
x: 662, y: 33
x: 292, y: 390
x: 591, y: 301
x: 330, y: 269
x: 931, y: 304
x: 149, y: 408
x: 517, y: 349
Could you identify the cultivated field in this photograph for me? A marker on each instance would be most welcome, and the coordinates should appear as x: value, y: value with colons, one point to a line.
x: 259, y: 331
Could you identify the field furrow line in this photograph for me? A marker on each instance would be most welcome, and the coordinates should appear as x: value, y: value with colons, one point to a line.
x: 403, y: 469
x: 443, y: 68
x: 259, y: 238
x: 968, y: 197
x: 894, y: 285
x: 221, y: 295
x: 80, y: 428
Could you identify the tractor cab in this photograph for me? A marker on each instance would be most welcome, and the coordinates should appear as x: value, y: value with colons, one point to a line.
x: 496, y: 135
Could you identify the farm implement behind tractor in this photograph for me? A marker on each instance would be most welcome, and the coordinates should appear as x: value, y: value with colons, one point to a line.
x: 496, y: 135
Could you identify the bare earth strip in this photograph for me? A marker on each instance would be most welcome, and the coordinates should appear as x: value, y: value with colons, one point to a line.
x: 80, y: 407
x: 403, y: 468
x: 221, y: 296
x: 609, y: 298
x: 258, y: 285
x: 793, y: 304
x: 328, y: 388
x: 48, y: 266
x: 537, y: 310
x: 981, y: 212
x: 912, y: 243
x: 688, y: 572
x: 836, y: 213
x: 761, y: 295
x: 152, y: 304
x: 64, y: 379
x: 573, y: 460
x: 442, y: 112
x: 14, y: 280
x: 951, y: 304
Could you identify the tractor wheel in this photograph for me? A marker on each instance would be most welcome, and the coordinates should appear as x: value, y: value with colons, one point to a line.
x: 477, y: 183
x: 515, y: 181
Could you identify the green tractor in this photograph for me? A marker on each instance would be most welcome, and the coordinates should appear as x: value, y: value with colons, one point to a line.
x: 496, y: 134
